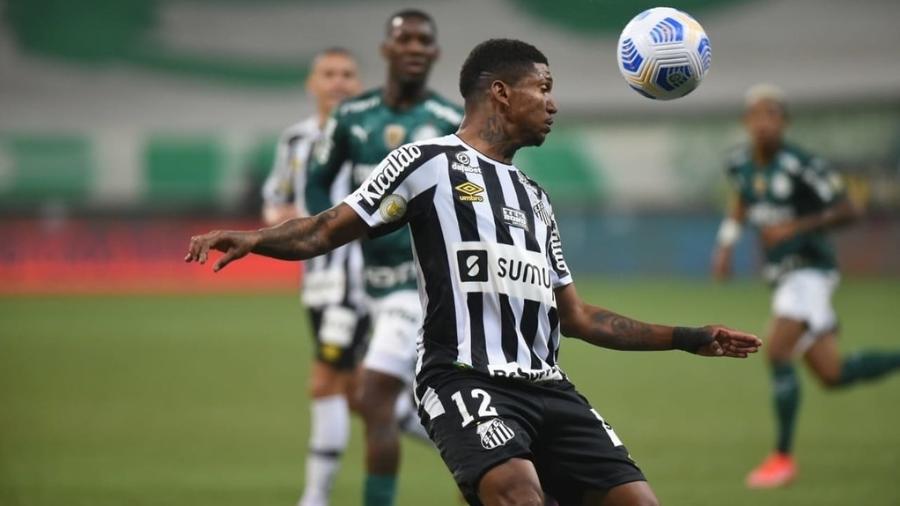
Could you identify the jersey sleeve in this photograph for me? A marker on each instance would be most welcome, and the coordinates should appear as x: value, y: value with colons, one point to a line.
x: 824, y: 182
x: 398, y: 189
x: 560, y: 275
x: 327, y: 156
x: 278, y: 188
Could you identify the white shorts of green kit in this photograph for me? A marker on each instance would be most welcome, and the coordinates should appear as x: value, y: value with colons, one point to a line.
x: 805, y: 295
x: 396, y: 320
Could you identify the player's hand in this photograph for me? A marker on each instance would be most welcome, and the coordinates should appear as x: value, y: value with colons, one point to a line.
x: 235, y: 245
x: 728, y: 342
x: 775, y: 234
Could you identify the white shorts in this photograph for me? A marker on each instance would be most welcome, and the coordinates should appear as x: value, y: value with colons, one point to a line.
x: 396, y: 320
x: 805, y: 295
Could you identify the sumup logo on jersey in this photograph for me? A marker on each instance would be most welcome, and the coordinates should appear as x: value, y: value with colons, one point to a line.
x: 502, y: 268
x: 379, y: 182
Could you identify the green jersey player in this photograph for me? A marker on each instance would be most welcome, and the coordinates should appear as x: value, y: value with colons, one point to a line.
x: 361, y: 133
x: 794, y: 199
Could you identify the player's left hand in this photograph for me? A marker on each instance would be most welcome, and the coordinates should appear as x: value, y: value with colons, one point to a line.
x: 728, y: 342
x: 774, y: 234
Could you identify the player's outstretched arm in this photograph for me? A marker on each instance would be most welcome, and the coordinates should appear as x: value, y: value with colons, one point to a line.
x: 602, y: 327
x: 728, y: 235
x: 296, y: 239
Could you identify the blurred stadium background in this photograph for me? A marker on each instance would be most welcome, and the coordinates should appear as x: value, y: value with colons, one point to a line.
x: 125, y: 127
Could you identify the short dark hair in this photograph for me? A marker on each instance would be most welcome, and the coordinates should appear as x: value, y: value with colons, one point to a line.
x: 406, y: 14
x: 504, y: 59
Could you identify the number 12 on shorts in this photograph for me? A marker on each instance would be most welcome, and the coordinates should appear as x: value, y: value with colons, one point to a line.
x: 608, y: 428
x: 484, y: 409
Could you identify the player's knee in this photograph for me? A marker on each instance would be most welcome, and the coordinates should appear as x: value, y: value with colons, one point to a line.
x: 778, y: 354
x: 829, y: 381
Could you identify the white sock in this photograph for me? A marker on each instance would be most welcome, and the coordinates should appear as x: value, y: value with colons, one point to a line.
x: 408, y: 418
x: 328, y: 438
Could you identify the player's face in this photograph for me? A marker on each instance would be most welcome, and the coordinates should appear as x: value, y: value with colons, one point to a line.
x: 531, y: 106
x: 410, y: 49
x: 765, y: 123
x: 334, y: 77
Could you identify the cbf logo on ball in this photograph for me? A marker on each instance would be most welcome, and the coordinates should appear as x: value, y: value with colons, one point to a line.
x: 663, y: 53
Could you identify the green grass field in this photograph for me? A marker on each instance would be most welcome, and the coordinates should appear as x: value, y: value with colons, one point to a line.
x: 200, y: 400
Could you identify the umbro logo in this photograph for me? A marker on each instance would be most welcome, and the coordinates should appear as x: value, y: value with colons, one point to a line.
x: 469, y: 192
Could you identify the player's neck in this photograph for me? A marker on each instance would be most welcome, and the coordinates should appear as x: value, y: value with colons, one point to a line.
x: 764, y: 154
x: 399, y: 95
x: 486, y: 132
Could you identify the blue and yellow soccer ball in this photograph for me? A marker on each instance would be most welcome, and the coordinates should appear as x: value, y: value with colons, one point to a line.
x: 663, y: 53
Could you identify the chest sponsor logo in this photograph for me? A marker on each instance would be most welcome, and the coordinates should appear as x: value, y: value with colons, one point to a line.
x: 781, y: 186
x: 463, y: 164
x: 469, y: 192
x: 379, y: 182
x: 763, y: 214
x: 515, y: 218
x: 472, y: 265
x: 502, y: 268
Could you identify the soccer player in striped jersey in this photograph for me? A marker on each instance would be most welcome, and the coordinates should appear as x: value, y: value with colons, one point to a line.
x: 497, y: 295
x: 332, y: 283
x: 794, y: 199
x: 361, y: 132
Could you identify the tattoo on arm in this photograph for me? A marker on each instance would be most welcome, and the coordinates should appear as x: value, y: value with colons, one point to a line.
x: 300, y: 238
x: 611, y: 330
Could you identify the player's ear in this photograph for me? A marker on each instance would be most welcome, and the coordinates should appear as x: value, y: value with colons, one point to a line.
x: 384, y: 50
x: 500, y: 92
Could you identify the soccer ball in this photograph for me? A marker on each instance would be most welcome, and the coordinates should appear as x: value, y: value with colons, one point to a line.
x: 663, y: 53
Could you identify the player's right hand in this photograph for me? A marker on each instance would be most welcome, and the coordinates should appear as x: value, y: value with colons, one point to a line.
x: 235, y: 245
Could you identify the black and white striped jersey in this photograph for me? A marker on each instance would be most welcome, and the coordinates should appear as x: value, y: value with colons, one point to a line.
x: 335, y: 278
x: 488, y: 256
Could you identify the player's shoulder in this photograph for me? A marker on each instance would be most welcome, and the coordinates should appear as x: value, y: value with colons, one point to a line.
x: 428, y: 150
x: 359, y: 104
x: 443, y: 108
x: 306, y: 129
x: 737, y: 158
x: 793, y: 159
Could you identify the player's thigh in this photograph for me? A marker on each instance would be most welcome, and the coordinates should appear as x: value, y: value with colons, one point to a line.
x: 579, y: 455
x: 514, y: 482
x: 477, y: 423
x: 392, y: 349
x: 783, y: 336
x: 377, y: 394
x: 824, y: 359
